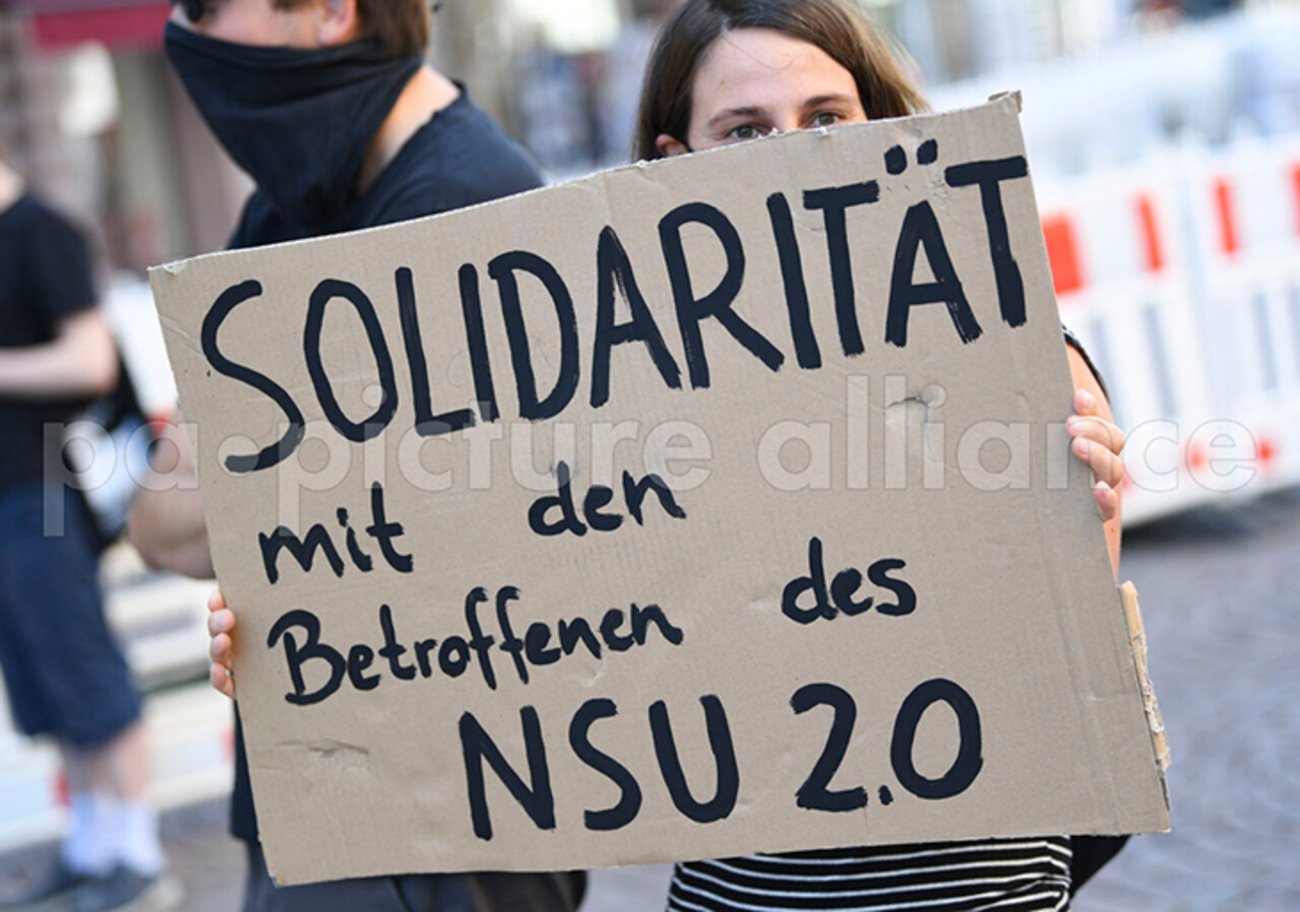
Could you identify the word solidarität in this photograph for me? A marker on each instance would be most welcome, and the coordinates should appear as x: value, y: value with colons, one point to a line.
x: 921, y: 249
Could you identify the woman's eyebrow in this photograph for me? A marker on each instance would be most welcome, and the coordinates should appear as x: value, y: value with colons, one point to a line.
x: 819, y: 100
x: 748, y: 111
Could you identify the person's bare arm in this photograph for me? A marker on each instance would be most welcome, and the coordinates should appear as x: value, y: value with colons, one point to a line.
x: 1097, y: 442
x: 166, y: 524
x: 80, y: 361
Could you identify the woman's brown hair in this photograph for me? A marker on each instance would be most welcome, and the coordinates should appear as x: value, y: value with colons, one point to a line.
x: 838, y: 27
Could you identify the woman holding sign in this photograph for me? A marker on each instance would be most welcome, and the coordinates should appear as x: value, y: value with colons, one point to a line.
x: 731, y: 70
x: 726, y: 71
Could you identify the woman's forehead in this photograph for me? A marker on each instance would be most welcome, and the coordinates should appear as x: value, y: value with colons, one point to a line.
x: 762, y: 68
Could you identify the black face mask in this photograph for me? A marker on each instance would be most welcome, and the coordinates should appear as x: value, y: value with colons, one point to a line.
x: 298, y: 121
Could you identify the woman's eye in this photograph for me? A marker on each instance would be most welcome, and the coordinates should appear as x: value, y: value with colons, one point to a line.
x: 745, y: 131
x: 826, y: 119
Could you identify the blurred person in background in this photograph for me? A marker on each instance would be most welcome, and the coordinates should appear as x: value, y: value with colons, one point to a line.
x: 65, y: 675
x: 727, y: 71
x: 331, y: 109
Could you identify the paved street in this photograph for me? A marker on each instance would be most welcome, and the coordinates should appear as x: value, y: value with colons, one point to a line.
x: 1219, y: 595
x: 1221, y: 601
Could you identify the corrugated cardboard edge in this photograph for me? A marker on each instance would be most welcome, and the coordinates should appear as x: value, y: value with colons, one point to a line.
x: 1014, y: 95
x: 1137, y: 638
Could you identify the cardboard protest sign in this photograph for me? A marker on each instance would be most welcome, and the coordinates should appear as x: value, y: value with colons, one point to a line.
x: 717, y: 505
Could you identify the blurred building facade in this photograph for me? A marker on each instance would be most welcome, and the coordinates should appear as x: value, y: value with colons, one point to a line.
x: 959, y: 39
x: 578, y: 76
x: 100, y: 126
x: 93, y: 114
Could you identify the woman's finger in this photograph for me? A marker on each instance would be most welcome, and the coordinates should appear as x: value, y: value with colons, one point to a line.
x: 222, y: 621
x: 222, y: 680
x: 1085, y: 403
x: 1107, y: 501
x: 1106, y: 466
x: 219, y: 649
x: 1098, y: 430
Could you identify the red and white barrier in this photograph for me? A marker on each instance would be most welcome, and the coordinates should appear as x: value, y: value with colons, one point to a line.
x: 1181, y: 274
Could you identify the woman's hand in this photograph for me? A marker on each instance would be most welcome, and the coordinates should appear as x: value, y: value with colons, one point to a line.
x: 1097, y: 443
x: 221, y: 623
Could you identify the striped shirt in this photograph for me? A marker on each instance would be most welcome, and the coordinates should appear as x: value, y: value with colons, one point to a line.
x: 1013, y: 875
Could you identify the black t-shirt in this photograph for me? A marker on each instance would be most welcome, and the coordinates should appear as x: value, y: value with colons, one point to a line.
x: 459, y: 158
x: 45, y: 277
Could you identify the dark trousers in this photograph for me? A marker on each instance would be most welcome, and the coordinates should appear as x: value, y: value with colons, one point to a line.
x: 64, y: 672
x: 485, y: 892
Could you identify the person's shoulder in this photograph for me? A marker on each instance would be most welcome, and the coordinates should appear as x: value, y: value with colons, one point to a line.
x: 46, y: 236
x: 463, y: 124
x: 32, y: 207
x: 33, y: 214
x: 489, y: 154
x: 460, y: 158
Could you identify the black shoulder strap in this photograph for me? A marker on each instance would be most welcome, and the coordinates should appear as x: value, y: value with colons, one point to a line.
x: 1073, y: 341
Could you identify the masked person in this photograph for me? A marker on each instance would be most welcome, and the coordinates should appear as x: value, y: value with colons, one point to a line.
x: 64, y: 673
x: 725, y: 71
x: 329, y: 106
